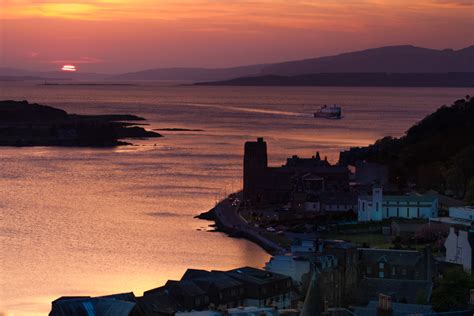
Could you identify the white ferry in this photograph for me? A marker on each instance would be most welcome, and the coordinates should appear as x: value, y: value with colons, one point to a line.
x: 332, y: 112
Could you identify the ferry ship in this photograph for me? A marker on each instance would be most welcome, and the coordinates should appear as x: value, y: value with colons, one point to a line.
x: 332, y: 112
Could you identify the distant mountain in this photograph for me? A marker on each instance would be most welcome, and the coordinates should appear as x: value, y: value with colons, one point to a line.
x: 390, y: 59
x: 14, y: 74
x: 354, y: 80
x: 191, y: 74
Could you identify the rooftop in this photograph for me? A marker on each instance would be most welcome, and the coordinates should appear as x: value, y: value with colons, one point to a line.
x: 393, y: 256
x: 409, y: 290
x: 403, y: 198
x: 256, y: 276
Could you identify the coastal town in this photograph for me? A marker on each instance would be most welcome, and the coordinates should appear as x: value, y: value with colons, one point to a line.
x: 349, y: 238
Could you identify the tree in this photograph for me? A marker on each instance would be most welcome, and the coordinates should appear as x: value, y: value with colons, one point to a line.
x: 452, y: 292
x: 470, y: 193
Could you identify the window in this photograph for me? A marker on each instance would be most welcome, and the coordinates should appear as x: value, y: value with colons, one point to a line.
x: 393, y: 271
x: 381, y: 265
x: 369, y: 270
x: 381, y: 274
x: 404, y: 271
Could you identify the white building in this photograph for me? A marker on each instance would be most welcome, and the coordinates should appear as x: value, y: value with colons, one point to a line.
x: 459, y: 247
x: 458, y: 216
x: 377, y: 207
x: 463, y: 213
x: 293, y: 266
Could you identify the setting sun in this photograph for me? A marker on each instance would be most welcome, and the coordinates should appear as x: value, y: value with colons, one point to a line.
x: 70, y: 68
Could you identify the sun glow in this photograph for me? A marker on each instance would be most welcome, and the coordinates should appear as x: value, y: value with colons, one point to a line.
x: 69, y: 68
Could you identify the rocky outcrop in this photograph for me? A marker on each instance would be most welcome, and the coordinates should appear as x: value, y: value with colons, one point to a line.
x: 31, y: 124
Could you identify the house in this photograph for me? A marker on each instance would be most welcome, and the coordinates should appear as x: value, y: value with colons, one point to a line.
x: 396, y: 264
x: 330, y: 202
x: 348, y: 266
x: 223, y: 291
x: 378, y: 207
x: 462, y: 213
x: 117, y: 304
x: 263, y: 288
x: 460, y: 247
x: 403, y: 274
x: 402, y: 291
x: 329, y: 278
x: 457, y: 216
x: 158, y: 303
x: 296, y: 267
x: 189, y: 295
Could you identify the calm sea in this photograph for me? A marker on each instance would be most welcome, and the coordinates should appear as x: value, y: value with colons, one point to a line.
x: 80, y: 221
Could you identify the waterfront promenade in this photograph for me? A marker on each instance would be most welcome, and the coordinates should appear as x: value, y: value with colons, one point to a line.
x: 229, y: 220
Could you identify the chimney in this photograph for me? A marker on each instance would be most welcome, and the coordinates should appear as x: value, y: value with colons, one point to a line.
x: 428, y: 257
x: 385, y: 305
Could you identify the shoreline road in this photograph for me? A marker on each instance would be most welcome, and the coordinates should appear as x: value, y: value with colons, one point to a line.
x: 228, y: 217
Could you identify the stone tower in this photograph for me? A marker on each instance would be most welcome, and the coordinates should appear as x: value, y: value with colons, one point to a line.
x: 255, y: 167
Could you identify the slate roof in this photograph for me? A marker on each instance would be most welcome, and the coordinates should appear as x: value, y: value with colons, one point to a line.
x: 392, y: 256
x: 186, y: 286
x: 370, y: 288
x: 204, y: 279
x: 158, y: 303
x: 117, y: 304
x: 255, y: 276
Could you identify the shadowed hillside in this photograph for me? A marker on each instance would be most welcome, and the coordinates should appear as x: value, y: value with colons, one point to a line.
x: 436, y: 153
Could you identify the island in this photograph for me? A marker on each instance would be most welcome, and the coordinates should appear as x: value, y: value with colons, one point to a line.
x: 458, y: 79
x: 30, y: 124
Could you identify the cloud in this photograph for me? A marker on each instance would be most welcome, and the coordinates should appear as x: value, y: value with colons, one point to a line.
x: 456, y: 2
x: 81, y: 60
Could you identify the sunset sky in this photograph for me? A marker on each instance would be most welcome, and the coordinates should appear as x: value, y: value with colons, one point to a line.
x: 116, y: 35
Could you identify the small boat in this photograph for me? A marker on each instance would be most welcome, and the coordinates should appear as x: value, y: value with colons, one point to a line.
x: 332, y: 112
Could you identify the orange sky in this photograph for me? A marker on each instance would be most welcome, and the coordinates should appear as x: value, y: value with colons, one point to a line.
x: 119, y: 35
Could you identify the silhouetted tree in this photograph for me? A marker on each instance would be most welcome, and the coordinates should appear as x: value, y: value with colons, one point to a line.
x: 470, y: 193
x: 452, y: 292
